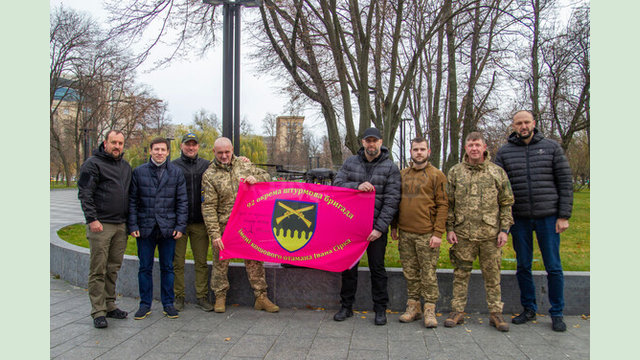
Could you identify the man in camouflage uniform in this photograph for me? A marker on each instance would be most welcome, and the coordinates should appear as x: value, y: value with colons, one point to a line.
x: 421, y: 222
x: 219, y: 189
x: 479, y: 218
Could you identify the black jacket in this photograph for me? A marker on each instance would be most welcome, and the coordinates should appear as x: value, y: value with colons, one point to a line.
x: 540, y: 176
x: 160, y: 201
x: 193, y: 170
x: 383, y: 174
x: 103, y: 187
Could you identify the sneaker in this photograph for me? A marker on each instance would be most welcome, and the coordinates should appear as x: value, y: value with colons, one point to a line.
x: 558, y: 323
x: 204, y: 304
x: 170, y: 312
x: 454, y: 319
x: 100, y: 322
x: 179, y: 303
x: 117, y: 314
x: 381, y: 318
x: 343, y: 314
x: 526, y: 315
x: 142, y: 313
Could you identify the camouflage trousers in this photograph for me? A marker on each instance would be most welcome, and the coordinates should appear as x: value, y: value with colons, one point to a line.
x: 220, y: 280
x: 419, y: 263
x: 462, y: 255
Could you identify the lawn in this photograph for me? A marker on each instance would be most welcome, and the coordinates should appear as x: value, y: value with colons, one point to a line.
x: 574, y: 248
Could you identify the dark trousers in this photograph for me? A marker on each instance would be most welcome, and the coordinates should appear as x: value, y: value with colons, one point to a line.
x: 379, y: 293
x: 549, y: 243
x: 146, y: 250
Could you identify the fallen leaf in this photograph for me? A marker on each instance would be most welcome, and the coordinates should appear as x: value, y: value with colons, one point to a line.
x: 586, y: 317
x: 468, y: 330
x: 227, y: 339
x: 438, y: 314
x: 576, y: 326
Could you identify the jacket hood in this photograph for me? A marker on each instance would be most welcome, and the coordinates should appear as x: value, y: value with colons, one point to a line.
x: 515, y: 138
x: 384, y: 154
x: 100, y: 152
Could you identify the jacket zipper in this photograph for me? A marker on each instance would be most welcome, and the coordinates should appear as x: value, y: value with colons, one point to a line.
x: 529, y: 182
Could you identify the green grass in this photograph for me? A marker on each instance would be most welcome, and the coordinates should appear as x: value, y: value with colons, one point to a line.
x: 574, y: 247
x: 574, y: 244
x: 62, y: 185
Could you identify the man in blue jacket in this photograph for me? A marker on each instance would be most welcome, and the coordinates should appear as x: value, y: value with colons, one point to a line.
x: 542, y: 185
x: 371, y: 170
x: 103, y: 190
x: 157, y: 216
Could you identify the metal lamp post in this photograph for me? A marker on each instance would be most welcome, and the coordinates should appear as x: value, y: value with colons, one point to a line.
x: 231, y: 66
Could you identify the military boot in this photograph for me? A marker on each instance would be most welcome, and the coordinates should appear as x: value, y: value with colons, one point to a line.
x: 220, y: 305
x: 496, y: 320
x: 205, y: 304
x: 412, y: 312
x: 263, y: 303
x: 454, y: 319
x: 179, y: 303
x: 430, y: 316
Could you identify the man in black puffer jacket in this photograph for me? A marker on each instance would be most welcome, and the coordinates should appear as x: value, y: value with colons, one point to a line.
x: 542, y: 184
x: 193, y: 167
x: 103, y: 190
x: 371, y: 170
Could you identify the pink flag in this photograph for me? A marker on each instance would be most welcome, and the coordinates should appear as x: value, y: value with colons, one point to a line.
x: 317, y: 226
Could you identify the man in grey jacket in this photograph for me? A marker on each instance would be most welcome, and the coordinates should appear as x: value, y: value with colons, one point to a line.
x: 542, y: 185
x: 371, y: 170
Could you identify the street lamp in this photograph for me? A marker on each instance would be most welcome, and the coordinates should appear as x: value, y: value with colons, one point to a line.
x: 231, y: 66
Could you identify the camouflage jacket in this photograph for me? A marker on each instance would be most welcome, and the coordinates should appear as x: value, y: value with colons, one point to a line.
x: 219, y: 189
x: 480, y: 200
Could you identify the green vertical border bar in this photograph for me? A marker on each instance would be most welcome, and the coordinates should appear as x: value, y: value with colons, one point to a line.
x: 614, y: 209
x: 25, y: 179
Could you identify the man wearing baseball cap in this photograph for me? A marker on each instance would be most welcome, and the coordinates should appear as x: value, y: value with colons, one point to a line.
x: 193, y: 167
x: 371, y: 169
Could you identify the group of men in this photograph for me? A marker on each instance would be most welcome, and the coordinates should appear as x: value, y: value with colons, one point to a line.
x: 163, y: 205
x: 527, y: 189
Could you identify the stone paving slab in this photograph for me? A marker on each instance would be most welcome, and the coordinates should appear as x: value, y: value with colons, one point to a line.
x: 243, y: 333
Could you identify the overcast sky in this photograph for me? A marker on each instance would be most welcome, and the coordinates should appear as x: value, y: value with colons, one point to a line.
x: 190, y: 85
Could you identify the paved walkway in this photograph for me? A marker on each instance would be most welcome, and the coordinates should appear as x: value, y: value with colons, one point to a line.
x: 243, y: 333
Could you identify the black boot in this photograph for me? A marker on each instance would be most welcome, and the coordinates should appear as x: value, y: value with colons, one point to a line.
x: 343, y: 314
x: 526, y: 315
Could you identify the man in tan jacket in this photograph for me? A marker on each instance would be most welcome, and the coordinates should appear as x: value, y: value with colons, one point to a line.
x: 419, y: 227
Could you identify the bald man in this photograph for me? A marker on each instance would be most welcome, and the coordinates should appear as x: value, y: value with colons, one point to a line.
x: 219, y: 188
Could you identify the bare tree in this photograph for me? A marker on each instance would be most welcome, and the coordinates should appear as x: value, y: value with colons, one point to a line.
x: 70, y: 35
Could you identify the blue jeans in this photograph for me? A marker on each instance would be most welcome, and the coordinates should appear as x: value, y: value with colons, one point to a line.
x: 549, y: 243
x: 146, y: 249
